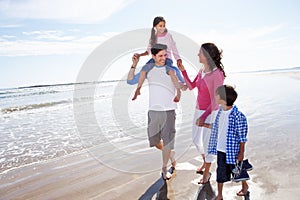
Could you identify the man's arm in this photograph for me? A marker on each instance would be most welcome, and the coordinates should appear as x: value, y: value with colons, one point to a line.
x: 174, y: 79
x: 140, y: 84
x: 135, y: 60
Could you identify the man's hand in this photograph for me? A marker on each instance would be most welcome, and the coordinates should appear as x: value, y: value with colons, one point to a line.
x: 135, y: 60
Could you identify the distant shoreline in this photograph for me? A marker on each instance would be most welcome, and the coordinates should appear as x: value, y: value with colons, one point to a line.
x: 279, y: 70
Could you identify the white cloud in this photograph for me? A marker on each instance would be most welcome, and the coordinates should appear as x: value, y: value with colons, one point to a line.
x: 82, y: 45
x: 49, y: 35
x: 11, y: 25
x: 72, y: 11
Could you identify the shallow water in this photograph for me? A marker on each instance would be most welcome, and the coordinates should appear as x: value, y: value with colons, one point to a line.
x: 42, y: 123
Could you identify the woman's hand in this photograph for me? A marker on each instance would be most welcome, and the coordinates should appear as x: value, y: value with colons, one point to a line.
x: 180, y: 66
x: 199, y: 122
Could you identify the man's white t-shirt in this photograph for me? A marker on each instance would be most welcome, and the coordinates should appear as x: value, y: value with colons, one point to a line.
x: 161, y: 90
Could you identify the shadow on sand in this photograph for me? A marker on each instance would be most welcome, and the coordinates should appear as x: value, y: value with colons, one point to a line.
x: 159, y: 188
x: 205, y: 192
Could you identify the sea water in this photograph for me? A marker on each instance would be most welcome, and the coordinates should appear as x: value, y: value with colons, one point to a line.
x: 40, y: 123
x: 37, y: 123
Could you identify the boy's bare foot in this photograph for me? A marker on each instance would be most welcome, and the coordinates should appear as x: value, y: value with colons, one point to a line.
x: 218, y: 198
x: 242, y: 192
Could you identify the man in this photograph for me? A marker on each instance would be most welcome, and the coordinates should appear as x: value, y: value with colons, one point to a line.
x: 162, y: 83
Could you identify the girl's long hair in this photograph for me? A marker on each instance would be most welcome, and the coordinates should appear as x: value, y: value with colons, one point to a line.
x: 153, y: 37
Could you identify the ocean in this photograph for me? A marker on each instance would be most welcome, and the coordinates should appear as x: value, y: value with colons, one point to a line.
x: 40, y: 123
x: 37, y: 122
x: 76, y: 141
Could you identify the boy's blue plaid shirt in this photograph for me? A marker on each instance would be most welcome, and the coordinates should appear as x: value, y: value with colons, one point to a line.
x: 236, y: 133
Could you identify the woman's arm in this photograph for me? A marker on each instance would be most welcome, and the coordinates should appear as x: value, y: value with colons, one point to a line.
x: 191, y: 84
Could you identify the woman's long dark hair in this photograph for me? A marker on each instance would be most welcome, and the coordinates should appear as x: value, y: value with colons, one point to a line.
x: 213, y: 56
x: 153, y: 37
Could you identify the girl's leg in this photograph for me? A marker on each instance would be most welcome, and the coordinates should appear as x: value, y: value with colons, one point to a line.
x: 150, y: 61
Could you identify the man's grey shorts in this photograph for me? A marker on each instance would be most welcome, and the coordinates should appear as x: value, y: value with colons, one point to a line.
x: 161, y: 125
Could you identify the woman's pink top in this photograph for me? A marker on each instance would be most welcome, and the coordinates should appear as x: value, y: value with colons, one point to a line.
x: 206, y: 89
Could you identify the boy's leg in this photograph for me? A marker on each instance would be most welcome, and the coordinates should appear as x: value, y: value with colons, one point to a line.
x: 220, y: 192
x: 244, y: 190
x: 223, y: 173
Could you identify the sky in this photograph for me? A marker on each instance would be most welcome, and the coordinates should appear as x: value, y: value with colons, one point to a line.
x: 47, y: 42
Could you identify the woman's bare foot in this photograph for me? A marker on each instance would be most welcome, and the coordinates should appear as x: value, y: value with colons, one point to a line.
x: 205, y: 179
x: 200, y: 169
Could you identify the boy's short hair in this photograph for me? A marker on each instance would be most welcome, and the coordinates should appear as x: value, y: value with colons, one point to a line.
x: 157, y: 48
x: 227, y: 93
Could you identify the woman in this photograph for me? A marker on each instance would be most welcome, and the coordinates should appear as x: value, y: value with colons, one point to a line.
x: 209, y: 78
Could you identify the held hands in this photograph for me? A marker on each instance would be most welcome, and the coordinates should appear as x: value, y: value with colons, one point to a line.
x: 180, y: 66
x: 179, y: 62
x: 199, y: 122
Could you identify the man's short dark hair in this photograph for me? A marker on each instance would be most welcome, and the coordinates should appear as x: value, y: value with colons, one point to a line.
x: 157, y: 48
x: 227, y: 93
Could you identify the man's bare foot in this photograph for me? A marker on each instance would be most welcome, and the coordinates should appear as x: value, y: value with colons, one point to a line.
x: 172, y: 159
x: 165, y: 174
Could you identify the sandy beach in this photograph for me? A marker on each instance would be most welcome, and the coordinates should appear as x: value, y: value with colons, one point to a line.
x: 271, y: 104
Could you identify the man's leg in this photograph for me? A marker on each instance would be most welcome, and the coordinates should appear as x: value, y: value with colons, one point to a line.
x: 168, y: 137
x: 165, y: 157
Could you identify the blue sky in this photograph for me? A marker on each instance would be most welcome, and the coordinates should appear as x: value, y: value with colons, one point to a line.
x: 46, y: 42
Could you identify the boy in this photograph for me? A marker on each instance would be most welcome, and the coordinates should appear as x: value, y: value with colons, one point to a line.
x: 228, y: 138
